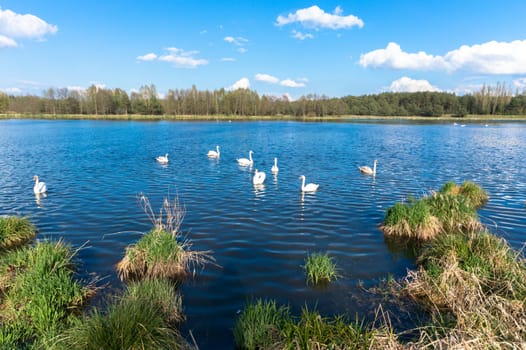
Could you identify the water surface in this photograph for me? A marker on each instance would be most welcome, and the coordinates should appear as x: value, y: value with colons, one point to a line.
x: 259, y: 236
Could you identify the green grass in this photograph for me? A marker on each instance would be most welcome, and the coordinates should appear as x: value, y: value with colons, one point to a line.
x: 470, y: 190
x: 156, y: 254
x: 265, y: 325
x: 39, y: 292
x: 320, y: 268
x: 141, y: 318
x: 15, y: 231
x: 260, y: 324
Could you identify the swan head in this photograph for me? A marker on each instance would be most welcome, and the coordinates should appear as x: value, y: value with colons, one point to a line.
x: 35, y: 178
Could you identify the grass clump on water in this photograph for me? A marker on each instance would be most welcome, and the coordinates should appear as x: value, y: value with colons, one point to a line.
x: 39, y: 293
x: 162, y: 252
x: 320, y: 268
x: 143, y: 317
x: 453, y: 208
x: 15, y: 231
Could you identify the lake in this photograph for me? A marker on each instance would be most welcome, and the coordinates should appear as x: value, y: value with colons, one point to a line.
x: 95, y: 171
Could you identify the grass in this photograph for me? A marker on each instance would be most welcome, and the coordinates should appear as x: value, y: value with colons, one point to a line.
x: 39, y: 293
x: 15, y: 231
x: 265, y: 325
x: 453, y: 208
x: 260, y: 324
x: 161, y: 252
x: 470, y: 190
x: 142, y: 317
x: 320, y: 269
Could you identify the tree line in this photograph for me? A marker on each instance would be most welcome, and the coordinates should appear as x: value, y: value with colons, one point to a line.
x: 489, y: 100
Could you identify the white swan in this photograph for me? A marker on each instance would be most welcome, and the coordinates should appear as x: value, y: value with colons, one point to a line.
x: 309, y: 187
x: 162, y: 159
x: 214, y: 154
x: 275, y: 168
x: 40, y: 187
x: 367, y: 170
x: 259, y: 177
x: 244, y: 161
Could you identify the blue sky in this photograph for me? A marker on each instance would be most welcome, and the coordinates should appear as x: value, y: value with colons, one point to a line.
x: 293, y: 48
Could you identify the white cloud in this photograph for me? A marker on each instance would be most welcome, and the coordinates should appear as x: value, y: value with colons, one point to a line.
x: 488, y: 58
x: 178, y: 57
x: 267, y: 78
x: 228, y: 59
x: 291, y: 83
x: 314, y: 17
x: 242, y: 83
x: 14, y: 25
x: 239, y: 41
x: 406, y: 84
x: 393, y: 57
x: 242, y: 50
x: 12, y: 91
x: 7, y: 42
x: 301, y: 36
x: 148, y: 57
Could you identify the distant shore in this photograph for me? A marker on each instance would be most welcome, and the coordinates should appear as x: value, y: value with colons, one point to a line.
x: 344, y: 118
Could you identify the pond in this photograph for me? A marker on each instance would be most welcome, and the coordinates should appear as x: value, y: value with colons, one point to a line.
x: 95, y: 171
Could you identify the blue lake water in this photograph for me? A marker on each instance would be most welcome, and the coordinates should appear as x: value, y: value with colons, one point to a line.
x: 259, y: 236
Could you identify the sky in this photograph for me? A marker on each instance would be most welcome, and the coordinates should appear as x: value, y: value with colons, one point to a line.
x: 280, y: 48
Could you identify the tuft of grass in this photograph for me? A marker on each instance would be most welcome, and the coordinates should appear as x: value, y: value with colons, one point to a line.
x: 40, y: 293
x: 260, y: 324
x: 160, y: 292
x: 470, y: 190
x: 131, y: 322
x: 320, y: 268
x: 161, y: 253
x: 15, y: 231
x: 313, y: 331
x: 412, y: 220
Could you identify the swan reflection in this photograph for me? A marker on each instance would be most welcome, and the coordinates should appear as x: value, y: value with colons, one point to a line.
x: 38, y: 197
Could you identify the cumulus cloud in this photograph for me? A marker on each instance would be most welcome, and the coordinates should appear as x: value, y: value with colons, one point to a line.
x: 267, y: 78
x: 315, y: 17
x: 242, y: 83
x: 291, y: 83
x: 301, y: 36
x: 7, y: 42
x: 488, y: 58
x: 393, y: 57
x: 14, y: 25
x: 406, y: 84
x: 520, y: 83
x: 147, y: 57
x: 178, y: 57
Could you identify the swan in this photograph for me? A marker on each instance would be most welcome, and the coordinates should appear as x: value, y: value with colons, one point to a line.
x: 40, y: 187
x: 275, y: 168
x: 259, y: 177
x: 162, y: 159
x: 309, y: 187
x: 244, y: 161
x: 214, y: 154
x: 367, y: 170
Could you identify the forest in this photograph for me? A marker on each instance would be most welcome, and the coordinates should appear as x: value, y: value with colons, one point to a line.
x: 489, y: 100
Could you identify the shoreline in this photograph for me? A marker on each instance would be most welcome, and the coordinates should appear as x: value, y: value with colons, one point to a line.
x: 346, y: 118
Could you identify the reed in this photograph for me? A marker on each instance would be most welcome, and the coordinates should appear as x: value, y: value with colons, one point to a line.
x: 15, y: 231
x: 320, y: 268
x: 412, y: 220
x: 40, y: 293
